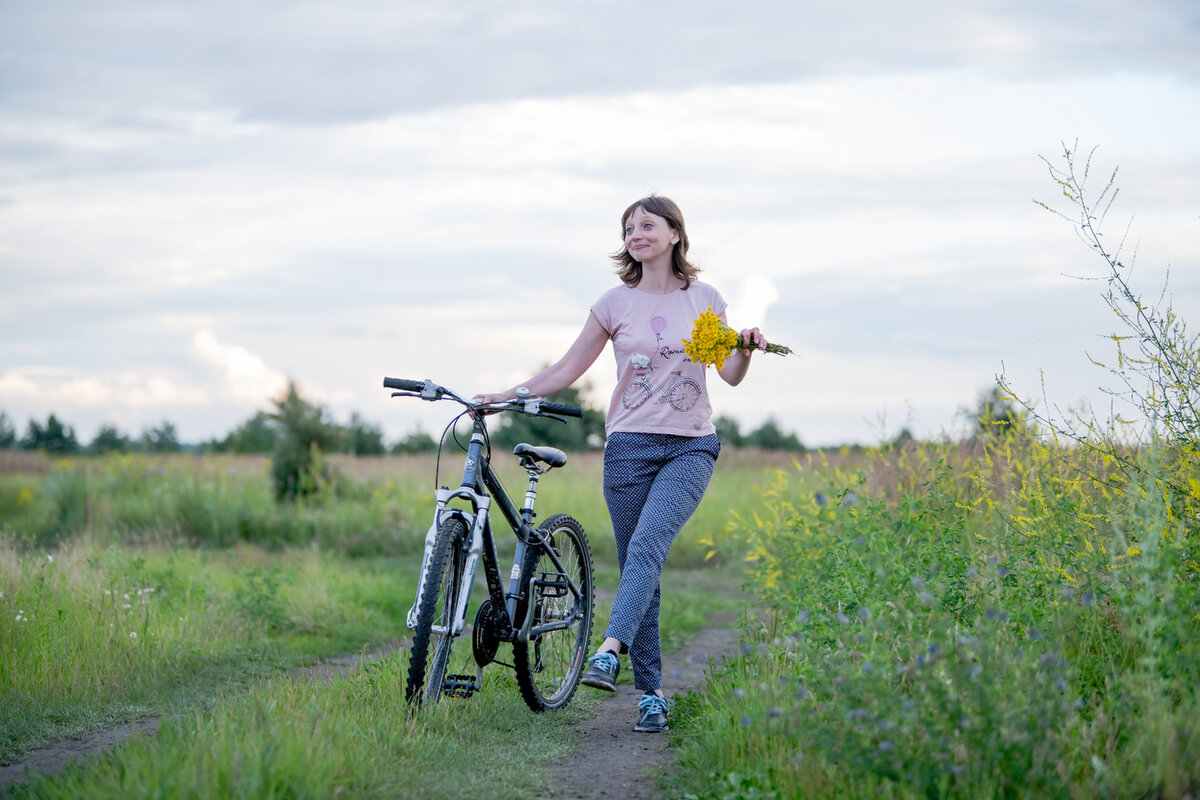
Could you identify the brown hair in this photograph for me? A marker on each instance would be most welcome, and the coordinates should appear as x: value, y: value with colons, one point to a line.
x: 629, y: 270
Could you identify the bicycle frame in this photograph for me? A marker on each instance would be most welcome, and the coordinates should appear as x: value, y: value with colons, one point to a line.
x: 480, y: 487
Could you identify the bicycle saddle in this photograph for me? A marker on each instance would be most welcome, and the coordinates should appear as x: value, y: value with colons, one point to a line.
x: 550, y: 456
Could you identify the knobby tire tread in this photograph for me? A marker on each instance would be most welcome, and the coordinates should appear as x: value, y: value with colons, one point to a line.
x: 426, y: 665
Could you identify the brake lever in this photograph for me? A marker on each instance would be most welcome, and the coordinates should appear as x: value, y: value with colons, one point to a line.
x: 430, y: 391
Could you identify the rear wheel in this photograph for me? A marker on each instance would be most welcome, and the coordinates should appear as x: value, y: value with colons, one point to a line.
x: 432, y: 636
x: 550, y: 664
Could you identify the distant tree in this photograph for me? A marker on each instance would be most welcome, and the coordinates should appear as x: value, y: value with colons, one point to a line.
x: 8, y: 433
x: 903, y: 438
x: 305, y: 434
x: 576, y: 435
x: 53, y: 438
x: 259, y: 434
x: 110, y: 440
x: 415, y: 442
x: 161, y: 438
x: 769, y: 436
x: 728, y: 431
x: 996, y: 414
x: 362, y: 438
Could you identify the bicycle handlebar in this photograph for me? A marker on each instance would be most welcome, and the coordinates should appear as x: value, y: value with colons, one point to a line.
x: 429, y: 390
x: 403, y: 384
x: 562, y: 408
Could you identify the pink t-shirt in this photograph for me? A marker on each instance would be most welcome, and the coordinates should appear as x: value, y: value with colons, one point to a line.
x: 659, y: 389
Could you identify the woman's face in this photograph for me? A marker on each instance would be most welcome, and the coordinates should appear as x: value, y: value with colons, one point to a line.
x: 649, y: 238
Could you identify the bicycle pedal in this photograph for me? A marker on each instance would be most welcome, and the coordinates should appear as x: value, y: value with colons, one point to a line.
x: 460, y: 686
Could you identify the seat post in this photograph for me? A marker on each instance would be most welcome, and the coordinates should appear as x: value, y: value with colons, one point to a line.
x: 530, y: 493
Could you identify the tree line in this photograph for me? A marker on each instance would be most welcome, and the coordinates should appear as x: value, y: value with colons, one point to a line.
x: 299, y: 435
x: 295, y: 417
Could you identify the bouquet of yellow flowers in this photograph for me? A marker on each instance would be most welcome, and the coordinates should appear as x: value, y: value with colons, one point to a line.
x: 713, y: 341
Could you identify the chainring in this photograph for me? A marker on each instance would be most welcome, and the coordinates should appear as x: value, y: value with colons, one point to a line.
x: 484, y: 641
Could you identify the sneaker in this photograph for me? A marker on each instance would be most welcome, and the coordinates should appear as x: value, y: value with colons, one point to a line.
x: 654, y: 714
x: 602, y: 674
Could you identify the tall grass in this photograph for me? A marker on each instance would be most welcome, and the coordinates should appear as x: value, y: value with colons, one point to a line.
x: 125, y: 578
x: 288, y: 736
x: 210, y: 501
x: 378, y: 507
x: 352, y: 737
x: 983, y: 626
x: 94, y: 634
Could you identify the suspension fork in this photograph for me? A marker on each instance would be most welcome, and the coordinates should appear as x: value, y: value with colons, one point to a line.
x: 475, y: 519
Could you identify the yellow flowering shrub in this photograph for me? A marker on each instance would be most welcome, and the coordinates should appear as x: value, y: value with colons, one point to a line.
x: 712, y: 340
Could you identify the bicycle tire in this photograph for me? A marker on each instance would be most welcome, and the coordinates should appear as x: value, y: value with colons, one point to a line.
x: 550, y: 665
x: 430, y: 653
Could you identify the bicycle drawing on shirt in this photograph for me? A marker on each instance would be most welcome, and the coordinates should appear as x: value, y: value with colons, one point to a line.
x: 680, y: 392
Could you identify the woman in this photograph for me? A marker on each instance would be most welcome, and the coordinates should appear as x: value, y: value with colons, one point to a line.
x: 661, y: 445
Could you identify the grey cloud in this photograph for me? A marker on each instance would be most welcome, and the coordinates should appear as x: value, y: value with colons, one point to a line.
x: 320, y: 62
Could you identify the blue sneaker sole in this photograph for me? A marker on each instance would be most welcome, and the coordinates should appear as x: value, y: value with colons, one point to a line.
x: 599, y: 683
x: 650, y: 728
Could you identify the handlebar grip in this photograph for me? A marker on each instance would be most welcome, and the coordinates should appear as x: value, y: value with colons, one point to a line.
x: 562, y: 408
x: 403, y: 384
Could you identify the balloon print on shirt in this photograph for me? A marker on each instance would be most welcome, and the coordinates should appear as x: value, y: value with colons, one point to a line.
x: 658, y: 325
x: 679, y: 391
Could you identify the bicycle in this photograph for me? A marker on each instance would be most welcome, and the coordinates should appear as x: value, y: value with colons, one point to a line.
x: 545, y: 611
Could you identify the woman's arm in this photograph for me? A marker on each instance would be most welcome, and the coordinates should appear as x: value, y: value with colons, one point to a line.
x: 736, y: 366
x: 568, y: 369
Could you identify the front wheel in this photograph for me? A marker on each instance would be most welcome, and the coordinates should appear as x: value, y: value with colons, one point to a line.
x: 550, y: 664
x: 433, y: 633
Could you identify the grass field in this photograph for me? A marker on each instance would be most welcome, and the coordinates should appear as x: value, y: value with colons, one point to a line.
x: 175, y: 586
x: 989, y: 619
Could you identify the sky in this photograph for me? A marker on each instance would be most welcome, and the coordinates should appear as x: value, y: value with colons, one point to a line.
x: 202, y: 201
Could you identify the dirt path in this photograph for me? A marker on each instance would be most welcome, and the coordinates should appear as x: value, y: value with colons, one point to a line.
x: 58, y: 756
x: 613, y: 761
x: 54, y: 759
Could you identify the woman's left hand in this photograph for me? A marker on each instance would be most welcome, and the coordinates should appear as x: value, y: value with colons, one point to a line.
x: 753, y: 336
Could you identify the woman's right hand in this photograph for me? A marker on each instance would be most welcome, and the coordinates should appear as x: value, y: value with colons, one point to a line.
x: 487, y: 399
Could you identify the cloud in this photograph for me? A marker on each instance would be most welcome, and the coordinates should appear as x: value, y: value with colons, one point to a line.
x: 751, y: 300
x: 58, y: 388
x: 15, y: 384
x: 244, y: 376
x: 313, y: 63
x: 192, y: 210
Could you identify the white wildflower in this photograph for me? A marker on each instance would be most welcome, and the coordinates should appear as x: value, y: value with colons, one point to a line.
x: 133, y: 634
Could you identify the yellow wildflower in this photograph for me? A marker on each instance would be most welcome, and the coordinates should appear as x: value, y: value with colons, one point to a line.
x: 713, y: 341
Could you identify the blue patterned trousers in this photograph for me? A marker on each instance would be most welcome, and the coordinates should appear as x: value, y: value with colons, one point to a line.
x: 653, y: 483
